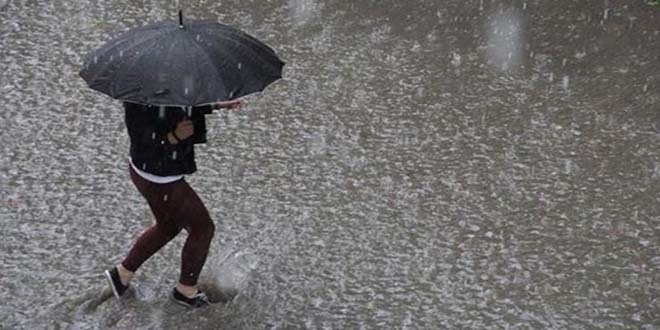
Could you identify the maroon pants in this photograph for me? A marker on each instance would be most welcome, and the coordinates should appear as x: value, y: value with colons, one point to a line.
x: 176, y: 206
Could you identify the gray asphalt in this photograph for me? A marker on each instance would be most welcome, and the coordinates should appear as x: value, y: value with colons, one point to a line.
x: 422, y: 165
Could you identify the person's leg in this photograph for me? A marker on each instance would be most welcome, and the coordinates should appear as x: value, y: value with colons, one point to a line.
x: 155, y: 237
x: 194, y: 217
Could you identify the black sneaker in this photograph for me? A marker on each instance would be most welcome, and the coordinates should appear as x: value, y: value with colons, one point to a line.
x: 199, y: 300
x: 115, y: 284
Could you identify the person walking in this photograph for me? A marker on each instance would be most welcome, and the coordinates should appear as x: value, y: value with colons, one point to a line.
x: 162, y: 143
x: 158, y: 70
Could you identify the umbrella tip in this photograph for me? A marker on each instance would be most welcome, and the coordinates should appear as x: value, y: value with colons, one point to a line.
x: 180, y: 19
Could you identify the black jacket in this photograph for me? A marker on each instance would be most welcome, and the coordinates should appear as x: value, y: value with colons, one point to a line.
x: 150, y: 149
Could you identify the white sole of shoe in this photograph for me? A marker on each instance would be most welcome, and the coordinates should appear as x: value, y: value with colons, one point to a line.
x: 112, y: 285
x: 180, y: 302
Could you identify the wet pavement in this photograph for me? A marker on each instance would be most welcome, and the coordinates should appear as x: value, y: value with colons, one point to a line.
x: 422, y: 165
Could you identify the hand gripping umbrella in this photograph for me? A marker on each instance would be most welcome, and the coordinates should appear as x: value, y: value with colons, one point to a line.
x: 171, y: 64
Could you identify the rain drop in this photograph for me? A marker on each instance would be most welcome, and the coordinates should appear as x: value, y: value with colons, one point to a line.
x: 240, y: 65
x: 565, y: 82
x: 161, y: 112
x: 568, y: 166
x: 121, y: 53
x: 96, y: 59
x: 174, y: 155
x: 188, y: 84
x: 197, y: 38
x: 552, y: 77
x: 144, y: 166
x: 153, y: 135
x: 645, y: 88
x: 456, y: 59
x: 111, y: 58
x: 606, y: 13
x: 231, y: 94
x: 165, y: 197
x: 189, y: 111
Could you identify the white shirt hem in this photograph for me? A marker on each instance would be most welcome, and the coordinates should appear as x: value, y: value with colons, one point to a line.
x: 152, y: 177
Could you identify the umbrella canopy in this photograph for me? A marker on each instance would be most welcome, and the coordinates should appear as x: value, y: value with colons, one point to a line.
x: 169, y: 63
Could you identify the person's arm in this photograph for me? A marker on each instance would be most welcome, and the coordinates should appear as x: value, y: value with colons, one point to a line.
x: 231, y: 104
x: 198, y: 118
x: 204, y: 109
x: 144, y: 125
x: 171, y: 138
x: 199, y: 123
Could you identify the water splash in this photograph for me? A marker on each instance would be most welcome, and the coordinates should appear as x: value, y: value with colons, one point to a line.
x: 505, y: 39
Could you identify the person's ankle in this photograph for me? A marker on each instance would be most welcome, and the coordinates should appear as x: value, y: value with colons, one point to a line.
x: 187, y: 290
x: 125, y: 275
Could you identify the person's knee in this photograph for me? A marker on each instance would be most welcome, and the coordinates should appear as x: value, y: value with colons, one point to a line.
x: 172, y: 233
x: 170, y: 230
x: 204, y: 229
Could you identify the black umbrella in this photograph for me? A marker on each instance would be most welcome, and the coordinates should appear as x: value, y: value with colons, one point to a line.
x: 175, y: 64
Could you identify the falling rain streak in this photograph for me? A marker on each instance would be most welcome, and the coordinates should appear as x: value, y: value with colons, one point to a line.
x: 504, y: 39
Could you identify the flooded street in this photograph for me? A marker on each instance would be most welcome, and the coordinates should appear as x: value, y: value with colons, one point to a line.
x: 422, y: 165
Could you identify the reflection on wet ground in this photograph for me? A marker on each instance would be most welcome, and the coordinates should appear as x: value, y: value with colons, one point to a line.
x: 423, y: 165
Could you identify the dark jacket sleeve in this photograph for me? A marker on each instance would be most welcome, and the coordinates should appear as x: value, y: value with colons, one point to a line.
x: 199, y: 123
x: 205, y: 109
x: 144, y: 126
